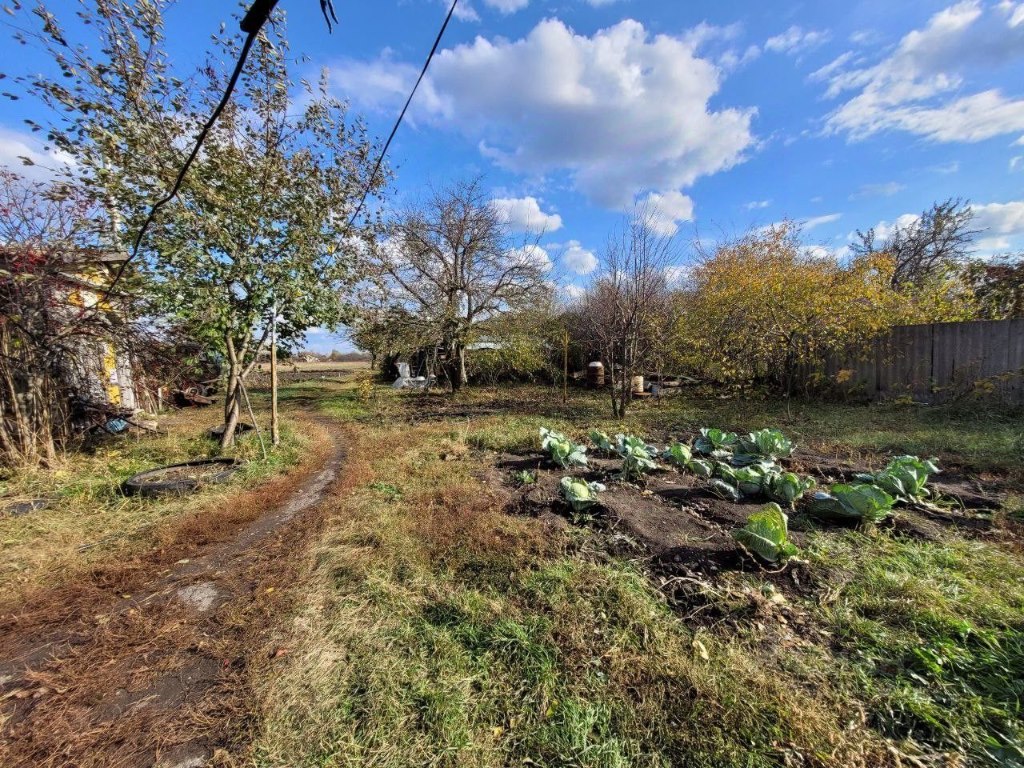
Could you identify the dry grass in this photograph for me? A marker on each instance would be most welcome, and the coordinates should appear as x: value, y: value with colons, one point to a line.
x: 125, y: 684
x: 89, y: 523
x: 438, y: 630
x: 127, y: 672
x: 320, y: 366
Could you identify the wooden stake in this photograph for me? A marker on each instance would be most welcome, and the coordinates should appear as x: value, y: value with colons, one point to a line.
x: 275, y: 432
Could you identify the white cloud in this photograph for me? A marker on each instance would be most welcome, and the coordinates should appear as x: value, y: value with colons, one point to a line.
x: 507, y: 6
x: 796, y: 40
x: 666, y: 210
x: 523, y: 214
x: 1017, y: 162
x: 381, y: 84
x: 816, y: 252
x: 864, y: 37
x: 578, y: 259
x: 817, y: 221
x: 884, y: 228
x: 720, y: 44
x: 532, y: 254
x: 834, y: 66
x: 884, y: 189
x: 754, y: 205
x: 15, y: 145
x: 621, y: 111
x: 464, y: 11
x: 922, y: 86
x: 1000, y: 218
x: 601, y: 3
x: 571, y: 291
x: 677, y: 275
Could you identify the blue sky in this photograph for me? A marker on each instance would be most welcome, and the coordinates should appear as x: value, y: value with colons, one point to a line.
x: 722, y: 116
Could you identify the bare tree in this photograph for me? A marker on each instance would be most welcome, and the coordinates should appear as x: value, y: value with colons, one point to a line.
x: 938, y: 239
x: 628, y: 308
x: 452, y: 263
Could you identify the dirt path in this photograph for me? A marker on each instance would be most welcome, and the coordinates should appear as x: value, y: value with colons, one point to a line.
x: 158, y: 677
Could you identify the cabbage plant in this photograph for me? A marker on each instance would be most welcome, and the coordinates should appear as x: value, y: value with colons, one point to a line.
x: 754, y: 479
x: 637, y: 456
x: 678, y: 453
x: 723, y: 489
x: 563, y: 451
x: 769, y: 443
x: 860, y: 501
x: 580, y: 494
x: 787, y: 487
x: 905, y: 477
x: 602, y: 442
x: 714, y: 442
x: 724, y: 471
x: 700, y: 467
x: 681, y: 455
x: 766, y: 534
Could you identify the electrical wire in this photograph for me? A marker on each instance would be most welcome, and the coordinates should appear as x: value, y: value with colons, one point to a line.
x: 401, y: 116
x: 253, y: 23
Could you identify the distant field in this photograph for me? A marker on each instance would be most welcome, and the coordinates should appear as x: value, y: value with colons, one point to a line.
x: 320, y: 367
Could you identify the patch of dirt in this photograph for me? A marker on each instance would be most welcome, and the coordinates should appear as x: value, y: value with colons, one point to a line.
x: 684, y: 529
x: 156, y: 676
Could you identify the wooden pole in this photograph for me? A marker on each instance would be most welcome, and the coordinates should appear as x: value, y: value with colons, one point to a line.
x: 275, y: 432
x: 248, y: 405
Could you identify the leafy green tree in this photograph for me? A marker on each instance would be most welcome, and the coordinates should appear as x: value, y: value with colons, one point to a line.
x: 262, y: 220
x: 998, y: 286
x: 265, y: 222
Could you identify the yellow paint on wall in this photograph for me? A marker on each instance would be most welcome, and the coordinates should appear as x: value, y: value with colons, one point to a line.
x: 110, y: 375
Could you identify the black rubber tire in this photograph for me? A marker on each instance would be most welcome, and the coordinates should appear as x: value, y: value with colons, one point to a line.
x: 216, y: 433
x: 139, y: 485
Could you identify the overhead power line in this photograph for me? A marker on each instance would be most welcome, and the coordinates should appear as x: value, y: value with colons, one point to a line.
x: 401, y: 116
x: 253, y: 21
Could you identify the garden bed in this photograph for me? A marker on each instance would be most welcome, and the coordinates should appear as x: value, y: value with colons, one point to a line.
x: 681, y: 528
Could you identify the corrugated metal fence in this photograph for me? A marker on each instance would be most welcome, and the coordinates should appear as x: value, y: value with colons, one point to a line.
x: 940, y: 362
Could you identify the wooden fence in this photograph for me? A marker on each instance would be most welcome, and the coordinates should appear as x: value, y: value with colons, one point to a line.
x: 940, y: 362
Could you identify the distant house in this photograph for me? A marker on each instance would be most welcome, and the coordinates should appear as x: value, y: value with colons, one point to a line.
x: 104, y: 369
x: 96, y: 367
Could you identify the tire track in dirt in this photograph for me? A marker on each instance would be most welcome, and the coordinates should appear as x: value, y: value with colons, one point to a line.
x: 158, y: 678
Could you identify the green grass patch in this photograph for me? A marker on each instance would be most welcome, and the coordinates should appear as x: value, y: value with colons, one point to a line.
x: 437, y: 630
x: 85, y: 505
x: 935, y: 634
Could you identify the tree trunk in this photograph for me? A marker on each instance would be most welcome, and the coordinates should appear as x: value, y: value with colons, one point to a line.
x: 463, y: 378
x: 610, y: 379
x: 232, y: 397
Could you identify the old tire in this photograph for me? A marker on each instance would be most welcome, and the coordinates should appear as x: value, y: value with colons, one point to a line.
x: 180, y: 479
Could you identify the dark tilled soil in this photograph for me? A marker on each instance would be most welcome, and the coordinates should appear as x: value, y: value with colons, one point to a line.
x: 155, y: 677
x: 684, y: 528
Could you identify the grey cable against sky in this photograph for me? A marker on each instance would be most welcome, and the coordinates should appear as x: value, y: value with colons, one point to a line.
x: 398, y: 122
x: 252, y: 23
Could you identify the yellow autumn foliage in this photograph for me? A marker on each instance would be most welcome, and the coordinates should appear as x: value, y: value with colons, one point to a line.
x: 764, y: 308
